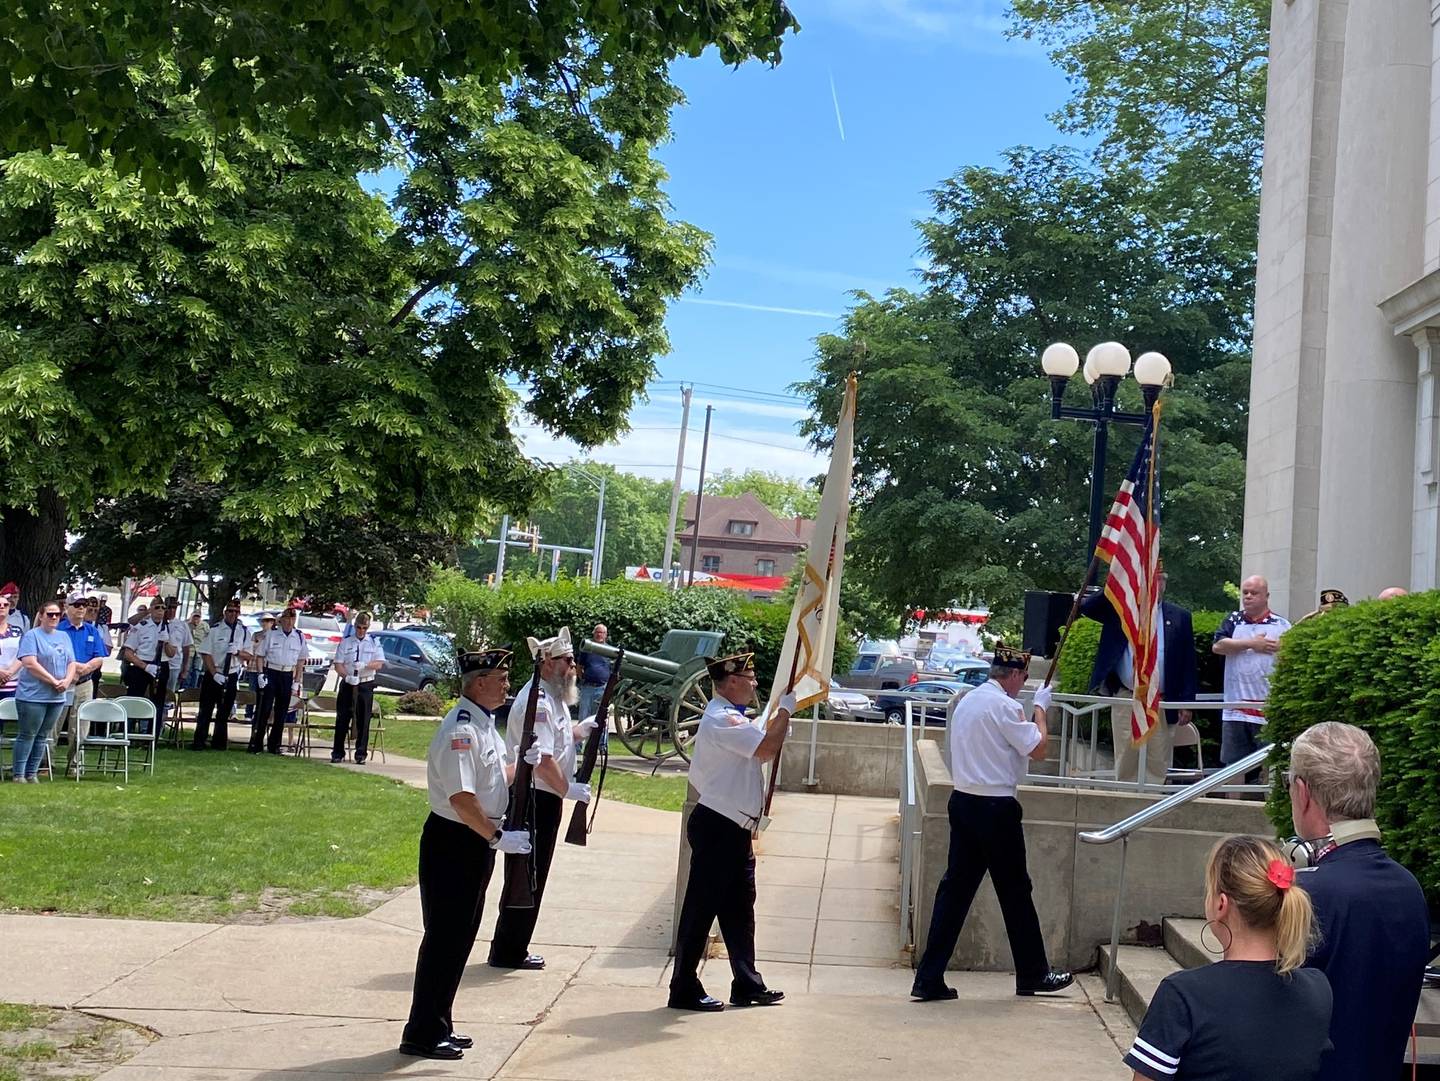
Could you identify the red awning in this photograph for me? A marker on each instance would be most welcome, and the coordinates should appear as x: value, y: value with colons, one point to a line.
x: 769, y: 583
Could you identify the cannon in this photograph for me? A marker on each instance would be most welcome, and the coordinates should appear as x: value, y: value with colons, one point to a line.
x: 660, y: 696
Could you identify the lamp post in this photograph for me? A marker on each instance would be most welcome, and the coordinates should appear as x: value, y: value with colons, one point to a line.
x: 599, y: 481
x: 1105, y: 366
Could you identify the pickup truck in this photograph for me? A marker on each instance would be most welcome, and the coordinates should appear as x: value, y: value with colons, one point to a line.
x: 881, y: 672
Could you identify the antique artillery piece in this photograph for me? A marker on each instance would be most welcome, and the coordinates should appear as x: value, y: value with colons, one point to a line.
x: 660, y: 696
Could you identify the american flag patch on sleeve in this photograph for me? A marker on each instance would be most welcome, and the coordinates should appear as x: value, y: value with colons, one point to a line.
x: 460, y: 743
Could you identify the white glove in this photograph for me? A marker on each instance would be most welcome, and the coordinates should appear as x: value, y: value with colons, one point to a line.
x: 1042, y: 698
x: 153, y: 671
x: 353, y: 680
x: 514, y: 842
x: 580, y: 793
x: 532, y: 756
x: 262, y: 682
x: 219, y: 677
x: 585, y: 727
x: 787, y: 702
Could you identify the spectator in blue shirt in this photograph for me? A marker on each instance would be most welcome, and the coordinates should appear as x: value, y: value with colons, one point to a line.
x: 47, y: 676
x: 594, y: 674
x: 90, y: 651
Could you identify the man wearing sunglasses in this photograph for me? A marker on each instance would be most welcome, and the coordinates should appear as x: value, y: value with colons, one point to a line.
x: 223, y: 654
x: 90, y: 653
x: 149, y: 650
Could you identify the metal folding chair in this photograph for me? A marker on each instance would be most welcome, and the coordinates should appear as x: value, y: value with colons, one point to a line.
x: 142, y: 727
x: 10, y: 715
x: 108, y: 726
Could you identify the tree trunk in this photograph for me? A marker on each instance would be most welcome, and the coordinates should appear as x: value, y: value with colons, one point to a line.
x: 32, y: 549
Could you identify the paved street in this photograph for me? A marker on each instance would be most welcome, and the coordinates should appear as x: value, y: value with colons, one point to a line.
x: 326, y: 998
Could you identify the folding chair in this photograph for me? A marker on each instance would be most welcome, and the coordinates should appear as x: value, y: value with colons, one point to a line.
x: 1187, y: 735
x: 176, y: 723
x: 297, y: 724
x: 142, y: 726
x: 108, y: 726
x: 8, y: 713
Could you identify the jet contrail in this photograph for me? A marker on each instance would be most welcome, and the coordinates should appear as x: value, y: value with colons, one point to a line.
x: 839, y: 120
x: 759, y: 307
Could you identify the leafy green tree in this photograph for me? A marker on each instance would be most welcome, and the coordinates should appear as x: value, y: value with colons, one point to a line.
x: 785, y: 496
x: 966, y: 491
x: 323, y: 354
x: 75, y: 72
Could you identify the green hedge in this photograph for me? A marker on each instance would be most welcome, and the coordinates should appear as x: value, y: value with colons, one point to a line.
x: 1373, y: 665
x: 638, y: 614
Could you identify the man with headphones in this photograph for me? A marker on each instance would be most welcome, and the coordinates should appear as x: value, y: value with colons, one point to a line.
x: 1374, y: 929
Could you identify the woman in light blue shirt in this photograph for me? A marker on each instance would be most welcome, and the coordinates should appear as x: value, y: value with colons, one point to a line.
x: 45, y: 681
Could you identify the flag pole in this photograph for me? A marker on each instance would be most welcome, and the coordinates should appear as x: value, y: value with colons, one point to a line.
x: 775, y: 766
x: 1149, y: 616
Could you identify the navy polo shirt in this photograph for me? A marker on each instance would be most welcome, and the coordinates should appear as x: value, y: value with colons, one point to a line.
x: 1374, y: 940
x: 85, y: 640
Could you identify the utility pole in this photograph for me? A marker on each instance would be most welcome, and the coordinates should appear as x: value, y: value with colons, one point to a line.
x: 599, y: 523
x: 700, y: 493
x: 500, y: 557
x: 675, y: 491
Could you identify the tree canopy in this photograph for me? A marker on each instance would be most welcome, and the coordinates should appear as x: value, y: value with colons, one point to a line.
x: 75, y: 73
x: 785, y: 496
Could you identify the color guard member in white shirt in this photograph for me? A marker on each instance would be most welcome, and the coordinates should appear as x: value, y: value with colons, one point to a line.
x: 555, y: 738
x: 991, y: 741
x: 223, y: 653
x: 282, y: 654
x: 726, y: 769
x: 357, y: 659
x: 150, y: 651
x: 469, y: 782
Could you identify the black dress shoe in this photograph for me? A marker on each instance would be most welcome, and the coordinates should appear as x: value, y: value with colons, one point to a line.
x: 939, y: 993
x: 698, y: 1003
x: 756, y: 998
x: 1051, y: 981
x: 463, y: 1042
x: 532, y: 961
x: 440, y: 1049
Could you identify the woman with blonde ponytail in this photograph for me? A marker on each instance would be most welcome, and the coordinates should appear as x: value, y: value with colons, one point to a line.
x: 1256, y: 1014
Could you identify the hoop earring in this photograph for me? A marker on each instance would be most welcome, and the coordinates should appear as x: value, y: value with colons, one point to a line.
x: 1220, y: 950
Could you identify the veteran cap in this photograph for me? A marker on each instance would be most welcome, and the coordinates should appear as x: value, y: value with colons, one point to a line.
x: 1007, y: 657
x: 1333, y: 598
x: 551, y: 648
x: 733, y: 665
x: 485, y: 660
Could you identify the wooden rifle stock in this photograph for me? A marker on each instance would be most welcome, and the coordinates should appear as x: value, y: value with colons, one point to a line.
x: 579, y: 827
x: 519, y: 891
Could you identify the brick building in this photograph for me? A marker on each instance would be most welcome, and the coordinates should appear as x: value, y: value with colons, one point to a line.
x: 740, y: 535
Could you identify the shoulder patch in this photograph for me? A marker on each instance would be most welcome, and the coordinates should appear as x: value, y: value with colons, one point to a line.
x: 460, y: 743
x: 463, y: 717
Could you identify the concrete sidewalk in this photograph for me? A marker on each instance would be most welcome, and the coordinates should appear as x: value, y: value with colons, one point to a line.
x: 326, y: 999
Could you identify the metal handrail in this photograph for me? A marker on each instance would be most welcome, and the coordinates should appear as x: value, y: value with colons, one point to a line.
x: 1122, y: 830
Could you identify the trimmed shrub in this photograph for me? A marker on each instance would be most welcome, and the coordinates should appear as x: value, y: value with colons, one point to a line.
x: 421, y: 703
x: 464, y: 607
x: 1371, y: 665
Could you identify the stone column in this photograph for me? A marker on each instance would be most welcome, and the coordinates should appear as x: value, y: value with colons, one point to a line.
x: 1425, y: 530
x: 1376, y: 248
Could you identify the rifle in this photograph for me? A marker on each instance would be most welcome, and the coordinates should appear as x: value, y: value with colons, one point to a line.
x: 579, y: 829
x: 519, y: 889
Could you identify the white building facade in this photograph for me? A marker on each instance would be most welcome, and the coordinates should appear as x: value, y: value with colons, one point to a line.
x: 1343, y: 467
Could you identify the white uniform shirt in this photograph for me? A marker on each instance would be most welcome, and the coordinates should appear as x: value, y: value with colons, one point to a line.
x: 356, y: 652
x: 181, y: 636
x: 990, y: 742
x: 146, y: 639
x: 554, y: 734
x: 1247, y: 675
x: 223, y: 645
x: 467, y: 754
x: 283, y: 651
x: 723, y: 766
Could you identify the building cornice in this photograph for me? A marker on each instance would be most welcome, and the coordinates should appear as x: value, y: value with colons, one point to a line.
x: 1414, y: 307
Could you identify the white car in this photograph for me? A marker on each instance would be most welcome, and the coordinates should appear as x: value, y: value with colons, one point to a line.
x: 847, y: 705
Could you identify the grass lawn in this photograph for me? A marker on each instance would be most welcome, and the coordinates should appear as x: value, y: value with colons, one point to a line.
x: 211, y: 836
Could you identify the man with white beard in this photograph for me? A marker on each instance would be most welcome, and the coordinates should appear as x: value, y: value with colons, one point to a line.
x: 555, y: 739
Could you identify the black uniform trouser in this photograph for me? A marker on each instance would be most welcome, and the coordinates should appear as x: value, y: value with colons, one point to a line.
x: 274, y: 698
x: 213, y: 698
x: 455, y: 867
x: 357, y: 701
x: 514, y: 928
x: 721, y: 885
x: 985, y: 835
x: 140, y: 684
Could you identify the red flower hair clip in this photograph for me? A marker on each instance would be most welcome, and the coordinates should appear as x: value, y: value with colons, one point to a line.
x: 1281, y: 874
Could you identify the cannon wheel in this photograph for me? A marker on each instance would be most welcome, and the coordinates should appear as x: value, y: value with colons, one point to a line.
x: 685, y: 711
x: 643, y: 733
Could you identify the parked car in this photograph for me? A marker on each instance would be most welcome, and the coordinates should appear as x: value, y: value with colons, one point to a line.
x: 882, y: 672
x: 847, y: 705
x: 934, y: 690
x: 414, y: 661
x: 971, y: 670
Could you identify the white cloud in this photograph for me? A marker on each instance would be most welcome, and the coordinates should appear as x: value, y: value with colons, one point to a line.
x: 760, y: 307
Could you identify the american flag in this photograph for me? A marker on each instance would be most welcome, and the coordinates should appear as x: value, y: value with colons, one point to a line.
x: 1130, y: 543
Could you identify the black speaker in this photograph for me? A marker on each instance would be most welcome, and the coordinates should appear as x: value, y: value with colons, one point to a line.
x: 1045, y: 615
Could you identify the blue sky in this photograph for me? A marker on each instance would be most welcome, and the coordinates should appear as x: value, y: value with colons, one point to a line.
x: 801, y: 215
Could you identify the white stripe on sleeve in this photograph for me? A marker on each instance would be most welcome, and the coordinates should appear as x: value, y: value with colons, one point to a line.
x: 1153, y: 1058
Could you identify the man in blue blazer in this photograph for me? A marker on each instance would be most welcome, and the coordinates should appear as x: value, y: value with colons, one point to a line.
x: 1113, y: 674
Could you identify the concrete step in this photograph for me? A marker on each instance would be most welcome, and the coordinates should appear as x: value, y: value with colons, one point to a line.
x: 1182, y: 942
x: 1140, y: 970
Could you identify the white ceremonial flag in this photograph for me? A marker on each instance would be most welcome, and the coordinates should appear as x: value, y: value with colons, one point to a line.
x: 810, y: 639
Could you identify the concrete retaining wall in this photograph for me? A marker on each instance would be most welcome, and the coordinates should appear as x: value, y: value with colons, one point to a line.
x: 852, y: 758
x: 1074, y: 883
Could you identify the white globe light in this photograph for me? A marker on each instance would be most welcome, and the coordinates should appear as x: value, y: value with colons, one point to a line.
x: 1089, y: 372
x: 1060, y: 360
x: 1109, y: 358
x: 1152, y: 369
